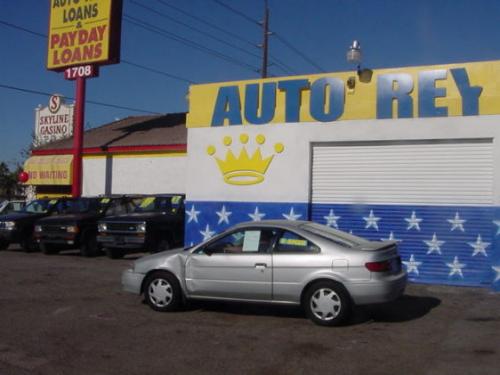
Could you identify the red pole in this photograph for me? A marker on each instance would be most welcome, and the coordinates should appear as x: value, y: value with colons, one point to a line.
x: 79, y: 114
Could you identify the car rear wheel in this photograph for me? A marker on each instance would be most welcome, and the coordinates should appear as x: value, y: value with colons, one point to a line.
x: 4, y: 244
x: 89, y: 246
x: 162, y: 291
x: 327, y: 303
x: 161, y: 245
x: 115, y: 253
x: 28, y: 243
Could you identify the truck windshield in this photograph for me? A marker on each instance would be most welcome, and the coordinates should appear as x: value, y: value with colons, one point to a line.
x: 81, y: 206
x: 160, y: 204
x: 39, y: 206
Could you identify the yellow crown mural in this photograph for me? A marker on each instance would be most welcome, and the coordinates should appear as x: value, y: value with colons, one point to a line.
x: 244, y: 170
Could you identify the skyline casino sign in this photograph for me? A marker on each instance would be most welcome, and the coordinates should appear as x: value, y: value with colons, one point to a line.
x: 83, y: 32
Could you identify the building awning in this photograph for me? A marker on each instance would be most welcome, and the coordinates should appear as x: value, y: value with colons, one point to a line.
x: 49, y: 170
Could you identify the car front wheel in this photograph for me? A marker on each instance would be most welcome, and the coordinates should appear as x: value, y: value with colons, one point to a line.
x: 4, y: 244
x: 327, y: 303
x: 162, y: 291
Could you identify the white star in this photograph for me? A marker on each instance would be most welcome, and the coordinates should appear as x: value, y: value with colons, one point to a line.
x: 256, y: 216
x: 371, y: 220
x: 497, y: 222
x: 193, y: 214
x: 456, y: 268
x: 413, y: 221
x: 331, y: 219
x: 434, y: 245
x: 207, y: 233
x: 223, y: 215
x: 497, y: 270
x: 391, y: 238
x: 291, y: 215
x: 457, y: 223
x: 412, y: 265
x: 479, y: 246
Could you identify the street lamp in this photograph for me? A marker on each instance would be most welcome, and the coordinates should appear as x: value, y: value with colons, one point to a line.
x: 354, y: 57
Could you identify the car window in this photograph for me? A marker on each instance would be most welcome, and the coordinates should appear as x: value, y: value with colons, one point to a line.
x: 39, y: 206
x: 243, y: 242
x: 290, y: 242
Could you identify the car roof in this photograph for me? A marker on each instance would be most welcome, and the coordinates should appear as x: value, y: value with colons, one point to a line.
x: 291, y: 224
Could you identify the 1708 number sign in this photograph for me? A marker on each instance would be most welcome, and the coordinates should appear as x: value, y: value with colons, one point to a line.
x: 84, y: 71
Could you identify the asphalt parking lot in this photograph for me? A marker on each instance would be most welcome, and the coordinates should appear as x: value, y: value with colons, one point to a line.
x: 64, y: 314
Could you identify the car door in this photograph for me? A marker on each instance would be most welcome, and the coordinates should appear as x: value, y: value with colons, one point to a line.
x: 236, y: 266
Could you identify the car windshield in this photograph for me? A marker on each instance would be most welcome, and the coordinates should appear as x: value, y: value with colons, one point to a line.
x: 338, y: 236
x: 160, y: 204
x: 84, y: 205
x: 39, y: 206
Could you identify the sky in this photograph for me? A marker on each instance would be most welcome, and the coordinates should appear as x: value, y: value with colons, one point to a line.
x: 201, y: 41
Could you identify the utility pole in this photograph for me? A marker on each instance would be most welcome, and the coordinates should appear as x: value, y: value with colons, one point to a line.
x: 265, y: 26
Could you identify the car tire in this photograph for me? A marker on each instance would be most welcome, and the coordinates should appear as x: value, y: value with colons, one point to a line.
x: 327, y: 303
x: 115, y: 253
x: 89, y: 246
x: 28, y: 243
x: 161, y: 245
x: 48, y: 249
x: 162, y: 291
x: 4, y: 244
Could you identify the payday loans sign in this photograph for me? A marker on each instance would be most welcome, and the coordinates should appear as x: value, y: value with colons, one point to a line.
x: 83, y: 32
x: 468, y: 89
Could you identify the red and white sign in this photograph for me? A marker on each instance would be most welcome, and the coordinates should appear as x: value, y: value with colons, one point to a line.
x: 53, y: 122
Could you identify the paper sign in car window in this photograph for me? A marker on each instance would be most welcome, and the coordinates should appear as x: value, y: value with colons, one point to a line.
x: 293, y: 242
x: 176, y: 199
x: 53, y: 201
x: 251, y: 241
x: 105, y: 200
x: 147, y: 201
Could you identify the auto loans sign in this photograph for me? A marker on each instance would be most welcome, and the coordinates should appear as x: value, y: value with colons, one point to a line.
x: 53, y: 122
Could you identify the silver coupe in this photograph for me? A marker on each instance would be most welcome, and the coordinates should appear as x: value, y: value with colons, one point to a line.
x: 324, y: 270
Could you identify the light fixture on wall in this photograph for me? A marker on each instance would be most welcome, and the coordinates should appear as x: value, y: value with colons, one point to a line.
x: 354, y: 56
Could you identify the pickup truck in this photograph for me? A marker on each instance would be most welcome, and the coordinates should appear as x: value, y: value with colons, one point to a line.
x: 76, y: 225
x: 17, y: 227
x: 156, y: 225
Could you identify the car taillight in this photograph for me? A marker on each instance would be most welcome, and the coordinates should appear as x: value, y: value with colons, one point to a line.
x: 382, y: 266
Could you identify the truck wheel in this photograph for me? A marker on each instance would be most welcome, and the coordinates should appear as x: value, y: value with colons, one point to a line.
x: 327, y: 303
x: 89, y: 246
x: 162, y: 291
x: 48, y: 249
x: 115, y: 253
x: 4, y: 244
x: 28, y: 244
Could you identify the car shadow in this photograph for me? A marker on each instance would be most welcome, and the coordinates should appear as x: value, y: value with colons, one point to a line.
x: 406, y: 308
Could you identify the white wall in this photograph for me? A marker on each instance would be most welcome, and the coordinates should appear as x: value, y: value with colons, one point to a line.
x: 143, y: 174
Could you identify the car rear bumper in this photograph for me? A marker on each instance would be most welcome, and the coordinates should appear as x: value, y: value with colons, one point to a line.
x: 132, y: 281
x: 378, y: 290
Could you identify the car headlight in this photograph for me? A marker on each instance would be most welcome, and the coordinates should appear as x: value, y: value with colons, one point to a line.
x: 72, y: 229
x: 102, y: 227
x: 9, y: 225
x: 141, y: 227
x: 38, y: 228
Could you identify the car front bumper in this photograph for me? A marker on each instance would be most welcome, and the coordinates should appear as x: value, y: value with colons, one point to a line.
x: 122, y: 241
x: 132, y: 281
x: 378, y: 290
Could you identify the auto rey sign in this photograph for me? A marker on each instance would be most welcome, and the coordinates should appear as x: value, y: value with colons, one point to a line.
x: 83, y: 32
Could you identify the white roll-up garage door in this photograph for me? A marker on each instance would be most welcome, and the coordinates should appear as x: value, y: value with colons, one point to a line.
x: 451, y: 172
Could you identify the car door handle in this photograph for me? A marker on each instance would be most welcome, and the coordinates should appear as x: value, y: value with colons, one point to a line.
x: 260, y: 266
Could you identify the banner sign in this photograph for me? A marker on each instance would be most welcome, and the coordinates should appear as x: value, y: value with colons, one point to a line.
x: 49, y: 170
x: 467, y: 89
x: 83, y: 32
x: 53, y: 122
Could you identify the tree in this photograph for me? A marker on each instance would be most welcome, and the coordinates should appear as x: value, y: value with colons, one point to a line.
x: 8, y: 181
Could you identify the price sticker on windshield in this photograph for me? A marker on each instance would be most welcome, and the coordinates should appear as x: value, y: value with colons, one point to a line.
x: 147, y: 201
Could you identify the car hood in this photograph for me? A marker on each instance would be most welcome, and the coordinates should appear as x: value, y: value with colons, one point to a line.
x: 135, y: 216
x: 164, y: 259
x: 66, y: 218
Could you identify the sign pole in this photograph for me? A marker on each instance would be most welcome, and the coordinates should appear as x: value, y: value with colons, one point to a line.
x: 76, y: 187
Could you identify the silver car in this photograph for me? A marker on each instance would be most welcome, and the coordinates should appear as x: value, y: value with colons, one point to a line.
x: 284, y: 262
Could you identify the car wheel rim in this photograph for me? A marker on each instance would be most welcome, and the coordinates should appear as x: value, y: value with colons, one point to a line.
x: 325, y: 304
x: 160, y: 292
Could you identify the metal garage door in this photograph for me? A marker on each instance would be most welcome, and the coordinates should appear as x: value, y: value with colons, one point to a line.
x: 435, y: 197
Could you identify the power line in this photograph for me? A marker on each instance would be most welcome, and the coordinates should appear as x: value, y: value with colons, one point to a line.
x: 167, y: 34
x: 298, y: 52
x: 128, y: 62
x: 235, y: 11
x: 199, y: 19
x: 36, y: 92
